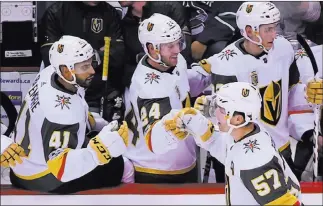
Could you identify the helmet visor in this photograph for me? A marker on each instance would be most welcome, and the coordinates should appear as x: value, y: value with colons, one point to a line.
x: 178, y: 45
x: 87, y: 65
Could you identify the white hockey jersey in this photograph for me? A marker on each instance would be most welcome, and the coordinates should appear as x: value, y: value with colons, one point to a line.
x: 256, y: 173
x: 50, y: 118
x: 152, y: 95
x: 274, y: 74
x: 304, y: 64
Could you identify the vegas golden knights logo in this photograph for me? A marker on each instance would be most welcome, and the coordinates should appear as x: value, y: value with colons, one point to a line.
x: 96, y: 25
x: 150, y: 26
x: 254, y: 78
x: 249, y: 8
x: 271, y: 103
x: 245, y: 92
x: 60, y: 48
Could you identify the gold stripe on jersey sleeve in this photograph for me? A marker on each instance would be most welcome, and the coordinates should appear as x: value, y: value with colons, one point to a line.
x: 205, y: 65
x: 91, y: 120
x: 165, y: 172
x: 148, y: 136
x: 188, y: 101
x: 35, y: 176
x: 286, y: 199
x: 282, y: 148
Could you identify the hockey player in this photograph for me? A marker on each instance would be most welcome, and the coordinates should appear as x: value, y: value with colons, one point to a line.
x: 158, y: 85
x: 267, y: 61
x: 304, y: 149
x: 51, y: 129
x: 256, y: 173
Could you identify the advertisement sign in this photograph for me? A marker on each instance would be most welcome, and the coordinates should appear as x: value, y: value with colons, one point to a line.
x: 15, y: 85
x: 15, y: 97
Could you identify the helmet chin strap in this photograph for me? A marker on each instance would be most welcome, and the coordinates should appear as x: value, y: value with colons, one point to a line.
x: 234, y: 126
x: 259, y: 43
x: 159, y: 61
x: 74, y: 83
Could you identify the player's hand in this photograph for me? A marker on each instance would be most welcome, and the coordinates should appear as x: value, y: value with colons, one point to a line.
x: 175, y: 125
x: 171, y: 126
x: 196, y: 124
x: 203, y: 67
x: 110, y: 142
x: 314, y: 91
x: 11, y: 153
x: 202, y: 104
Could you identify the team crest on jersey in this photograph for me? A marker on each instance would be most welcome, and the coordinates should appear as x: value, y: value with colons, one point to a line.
x: 271, y: 103
x: 300, y: 53
x: 152, y: 77
x: 251, y: 146
x: 227, y: 54
x: 63, y: 101
x: 60, y: 48
x: 254, y: 78
x: 150, y: 26
x: 245, y: 92
x: 96, y: 25
x: 249, y: 8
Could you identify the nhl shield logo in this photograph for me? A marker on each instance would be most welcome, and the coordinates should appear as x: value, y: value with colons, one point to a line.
x: 150, y: 26
x: 254, y: 78
x: 245, y: 92
x: 249, y: 8
x: 96, y: 25
x: 60, y: 48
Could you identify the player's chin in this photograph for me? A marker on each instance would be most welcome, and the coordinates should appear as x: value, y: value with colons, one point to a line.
x: 173, y: 61
x: 269, y: 45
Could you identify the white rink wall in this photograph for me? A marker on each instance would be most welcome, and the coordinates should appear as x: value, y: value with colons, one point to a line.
x: 217, y: 199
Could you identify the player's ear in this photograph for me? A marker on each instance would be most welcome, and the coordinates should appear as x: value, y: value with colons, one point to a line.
x: 151, y: 51
x: 249, y: 31
x: 240, y: 119
x: 237, y: 119
x: 66, y: 72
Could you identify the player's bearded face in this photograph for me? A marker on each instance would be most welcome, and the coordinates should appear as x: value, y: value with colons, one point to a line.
x: 268, y: 34
x: 169, y: 52
x: 84, y: 73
